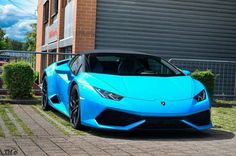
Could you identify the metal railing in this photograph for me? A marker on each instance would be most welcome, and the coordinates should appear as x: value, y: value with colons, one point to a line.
x: 46, y: 57
x: 225, y: 83
x: 225, y: 71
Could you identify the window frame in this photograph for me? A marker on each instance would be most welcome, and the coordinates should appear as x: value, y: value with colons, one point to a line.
x: 54, y: 8
x: 163, y: 62
x: 80, y: 69
x: 45, y: 12
x: 163, y: 66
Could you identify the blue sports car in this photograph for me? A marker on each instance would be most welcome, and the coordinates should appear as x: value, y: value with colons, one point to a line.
x: 119, y: 90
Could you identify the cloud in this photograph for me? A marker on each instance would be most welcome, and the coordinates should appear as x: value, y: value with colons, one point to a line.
x: 7, y: 16
x: 19, y: 30
x: 15, y: 21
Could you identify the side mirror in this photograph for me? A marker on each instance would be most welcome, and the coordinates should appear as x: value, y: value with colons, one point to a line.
x: 186, y: 72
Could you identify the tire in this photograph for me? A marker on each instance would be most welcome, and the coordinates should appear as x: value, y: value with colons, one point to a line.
x: 44, y: 101
x: 75, y: 117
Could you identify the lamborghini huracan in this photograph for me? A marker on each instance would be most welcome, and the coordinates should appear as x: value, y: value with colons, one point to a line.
x: 120, y: 90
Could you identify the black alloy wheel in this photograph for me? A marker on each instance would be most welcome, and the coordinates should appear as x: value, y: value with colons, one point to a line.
x: 75, y: 119
x: 44, y: 100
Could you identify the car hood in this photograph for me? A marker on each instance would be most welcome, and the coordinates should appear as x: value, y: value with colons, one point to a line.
x: 149, y: 87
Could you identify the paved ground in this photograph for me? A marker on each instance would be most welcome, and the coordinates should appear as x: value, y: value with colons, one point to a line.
x: 50, y: 141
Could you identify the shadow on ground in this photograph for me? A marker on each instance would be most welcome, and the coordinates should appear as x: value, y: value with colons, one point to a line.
x: 212, y: 134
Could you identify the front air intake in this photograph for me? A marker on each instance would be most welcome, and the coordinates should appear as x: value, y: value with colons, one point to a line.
x: 116, y: 118
x: 200, y: 119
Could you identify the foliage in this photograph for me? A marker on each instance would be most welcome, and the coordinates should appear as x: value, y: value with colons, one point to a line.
x: 8, y: 122
x: 31, y: 38
x: 36, y: 77
x: 24, y: 126
x: 4, y: 110
x: 9, y: 44
x: 49, y: 115
x: 15, y: 45
x: 2, y: 34
x: 225, y: 102
x: 224, y: 118
x: 207, y: 78
x: 18, y: 78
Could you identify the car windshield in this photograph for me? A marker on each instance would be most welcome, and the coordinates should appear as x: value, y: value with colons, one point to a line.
x: 130, y: 65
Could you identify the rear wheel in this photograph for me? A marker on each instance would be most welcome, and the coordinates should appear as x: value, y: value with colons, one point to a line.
x: 75, y: 119
x: 44, y: 100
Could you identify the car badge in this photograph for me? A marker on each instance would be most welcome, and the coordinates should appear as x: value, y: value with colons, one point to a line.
x: 163, y: 103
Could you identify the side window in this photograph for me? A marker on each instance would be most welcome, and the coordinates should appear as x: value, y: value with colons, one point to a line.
x: 76, y: 64
x: 158, y: 67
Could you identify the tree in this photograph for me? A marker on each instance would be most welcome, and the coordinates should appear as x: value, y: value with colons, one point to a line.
x: 10, y: 44
x: 2, y: 39
x: 31, y: 38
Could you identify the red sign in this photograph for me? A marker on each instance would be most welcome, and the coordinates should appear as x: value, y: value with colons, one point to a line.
x: 52, y: 33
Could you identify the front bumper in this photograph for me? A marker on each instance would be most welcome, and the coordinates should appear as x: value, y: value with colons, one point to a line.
x: 112, y: 118
x: 132, y: 114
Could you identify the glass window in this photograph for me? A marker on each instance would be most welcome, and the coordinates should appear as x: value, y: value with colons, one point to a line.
x: 45, y: 12
x: 76, y: 64
x: 44, y: 60
x: 52, y: 57
x: 130, y: 65
x: 159, y: 67
x: 54, y: 7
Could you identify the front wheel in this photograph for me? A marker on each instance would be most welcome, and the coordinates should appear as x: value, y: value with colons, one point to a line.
x: 44, y: 101
x: 75, y: 119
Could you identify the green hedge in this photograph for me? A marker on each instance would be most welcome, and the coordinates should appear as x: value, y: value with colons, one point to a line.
x: 18, y: 78
x: 1, y: 81
x: 207, y: 78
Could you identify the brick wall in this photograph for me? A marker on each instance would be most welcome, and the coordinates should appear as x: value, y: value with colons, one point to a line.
x: 61, y: 18
x: 83, y: 30
x: 84, y: 25
x: 39, y: 38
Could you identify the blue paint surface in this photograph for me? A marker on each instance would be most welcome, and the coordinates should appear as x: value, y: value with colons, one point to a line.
x: 142, y: 96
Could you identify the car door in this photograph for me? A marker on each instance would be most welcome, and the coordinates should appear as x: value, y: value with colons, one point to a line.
x: 65, y: 75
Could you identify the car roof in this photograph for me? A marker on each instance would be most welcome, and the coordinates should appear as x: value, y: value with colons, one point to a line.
x: 106, y: 51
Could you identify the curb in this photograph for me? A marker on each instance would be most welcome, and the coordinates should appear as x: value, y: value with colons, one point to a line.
x: 24, y: 102
x: 36, y: 92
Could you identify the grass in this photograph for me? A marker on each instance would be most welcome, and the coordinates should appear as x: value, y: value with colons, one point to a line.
x: 224, y: 118
x: 1, y: 132
x: 225, y: 102
x: 26, y: 129
x: 57, y: 117
x: 9, y: 124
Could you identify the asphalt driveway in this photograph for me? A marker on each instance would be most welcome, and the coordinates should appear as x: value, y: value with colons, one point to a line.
x: 49, y: 140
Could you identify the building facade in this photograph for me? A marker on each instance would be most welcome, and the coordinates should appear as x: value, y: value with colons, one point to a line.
x: 203, y: 29
x: 65, y: 26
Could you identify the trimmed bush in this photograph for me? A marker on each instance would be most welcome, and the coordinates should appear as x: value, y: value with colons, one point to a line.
x: 18, y: 78
x: 207, y: 78
x: 1, y: 81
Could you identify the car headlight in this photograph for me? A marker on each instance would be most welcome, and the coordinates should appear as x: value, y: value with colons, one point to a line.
x: 108, y: 95
x: 200, y: 96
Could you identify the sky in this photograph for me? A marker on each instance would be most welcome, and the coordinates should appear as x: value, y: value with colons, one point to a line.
x: 16, y: 17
